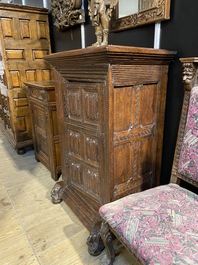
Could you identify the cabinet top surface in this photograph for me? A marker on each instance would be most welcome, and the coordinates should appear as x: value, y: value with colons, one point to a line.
x: 110, y: 54
x: 113, y: 49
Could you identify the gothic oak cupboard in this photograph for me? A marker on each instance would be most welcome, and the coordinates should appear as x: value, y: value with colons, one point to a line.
x: 42, y: 102
x: 24, y: 41
x: 110, y: 104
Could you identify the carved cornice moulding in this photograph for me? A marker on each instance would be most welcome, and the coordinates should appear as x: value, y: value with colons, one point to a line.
x: 67, y: 13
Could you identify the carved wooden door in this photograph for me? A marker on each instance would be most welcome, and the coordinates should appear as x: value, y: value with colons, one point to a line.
x: 25, y: 40
x: 83, y: 127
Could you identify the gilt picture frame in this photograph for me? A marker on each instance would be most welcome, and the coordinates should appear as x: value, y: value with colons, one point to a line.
x: 156, y: 11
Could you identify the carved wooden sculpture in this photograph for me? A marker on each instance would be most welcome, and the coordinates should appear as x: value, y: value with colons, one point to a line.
x: 67, y: 13
x: 100, y: 12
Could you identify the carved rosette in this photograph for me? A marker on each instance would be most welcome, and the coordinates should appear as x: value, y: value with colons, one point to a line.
x: 67, y: 13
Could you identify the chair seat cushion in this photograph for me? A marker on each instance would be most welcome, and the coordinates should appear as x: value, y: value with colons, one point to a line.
x: 160, y: 225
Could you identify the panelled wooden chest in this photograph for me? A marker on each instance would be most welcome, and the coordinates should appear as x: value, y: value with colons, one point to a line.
x: 111, y: 104
x: 42, y: 101
x: 24, y: 41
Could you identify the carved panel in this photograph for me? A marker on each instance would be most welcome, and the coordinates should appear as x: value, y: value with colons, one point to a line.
x: 124, y: 115
x: 46, y: 75
x: 40, y: 120
x: 42, y: 29
x: 91, y: 110
x: 21, y: 124
x: 91, y: 150
x: 137, y: 170
x: 30, y: 75
x: 74, y: 104
x: 41, y: 145
x: 67, y: 13
x: 15, y: 78
x: 54, y: 121
x: 123, y: 173
x: 15, y: 54
x: 25, y: 28
x: 148, y: 102
x: 7, y: 27
x: 75, y: 143
x: 132, y: 102
x: 75, y: 170
x: 39, y: 54
x: 91, y: 182
x: 146, y: 157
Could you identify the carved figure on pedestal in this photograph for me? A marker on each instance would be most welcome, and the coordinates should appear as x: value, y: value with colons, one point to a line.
x: 100, y: 12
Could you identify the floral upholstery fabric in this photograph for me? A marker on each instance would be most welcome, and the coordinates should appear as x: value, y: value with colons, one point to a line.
x: 188, y: 161
x: 160, y: 225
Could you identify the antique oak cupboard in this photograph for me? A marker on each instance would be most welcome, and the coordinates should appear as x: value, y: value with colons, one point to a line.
x: 24, y: 41
x: 42, y: 101
x: 110, y: 104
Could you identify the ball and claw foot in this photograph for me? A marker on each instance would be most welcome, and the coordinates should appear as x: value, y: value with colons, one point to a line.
x: 21, y: 151
x: 56, y: 193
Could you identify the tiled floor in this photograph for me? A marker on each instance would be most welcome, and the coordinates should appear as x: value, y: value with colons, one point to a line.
x: 33, y: 230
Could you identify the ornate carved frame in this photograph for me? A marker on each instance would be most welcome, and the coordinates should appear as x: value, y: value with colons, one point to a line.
x: 159, y: 13
x: 67, y: 13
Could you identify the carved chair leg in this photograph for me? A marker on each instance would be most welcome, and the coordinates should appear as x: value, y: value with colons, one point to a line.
x: 107, y: 239
x: 94, y: 241
x: 56, y: 192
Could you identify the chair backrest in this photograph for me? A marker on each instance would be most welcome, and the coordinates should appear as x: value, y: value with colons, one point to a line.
x: 185, y: 164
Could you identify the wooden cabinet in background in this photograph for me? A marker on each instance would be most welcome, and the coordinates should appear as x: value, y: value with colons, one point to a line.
x: 111, y: 105
x: 42, y: 101
x: 24, y: 41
